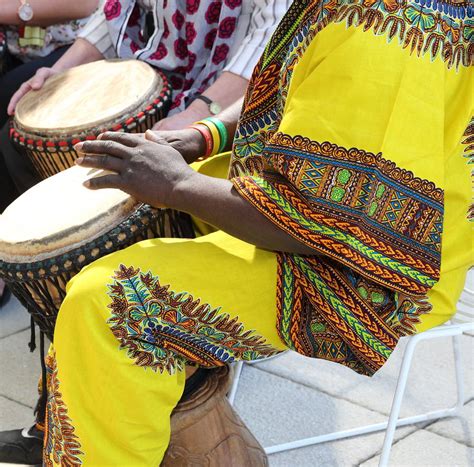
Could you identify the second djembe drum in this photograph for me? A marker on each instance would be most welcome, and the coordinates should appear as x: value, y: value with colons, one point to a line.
x: 81, y: 103
x: 57, y: 227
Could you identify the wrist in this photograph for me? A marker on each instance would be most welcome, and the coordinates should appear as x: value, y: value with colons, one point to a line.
x: 183, y: 191
x: 190, y: 144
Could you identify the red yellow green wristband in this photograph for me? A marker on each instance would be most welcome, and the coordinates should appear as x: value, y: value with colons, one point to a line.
x: 216, y: 139
x: 224, y: 136
x: 206, y: 134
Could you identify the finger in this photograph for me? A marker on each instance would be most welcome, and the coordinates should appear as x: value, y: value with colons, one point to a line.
x: 106, y: 181
x: 38, y: 80
x: 22, y: 90
x: 98, y: 147
x: 127, y: 139
x: 155, y: 137
x: 105, y: 162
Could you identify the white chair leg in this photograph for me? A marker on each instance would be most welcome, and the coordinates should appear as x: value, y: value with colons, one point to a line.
x: 235, y: 382
x: 459, y: 369
x: 397, y: 401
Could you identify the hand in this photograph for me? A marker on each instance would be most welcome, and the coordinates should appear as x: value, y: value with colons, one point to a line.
x: 35, y: 83
x: 181, y: 120
x: 149, y: 169
x: 188, y: 142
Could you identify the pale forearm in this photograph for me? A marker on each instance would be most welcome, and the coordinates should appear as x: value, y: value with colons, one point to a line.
x: 47, y: 12
x: 218, y: 203
x: 79, y: 53
x: 226, y: 90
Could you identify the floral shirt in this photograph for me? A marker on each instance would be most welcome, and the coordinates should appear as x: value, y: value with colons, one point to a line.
x: 193, y: 40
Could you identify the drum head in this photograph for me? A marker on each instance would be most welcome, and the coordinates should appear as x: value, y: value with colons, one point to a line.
x: 60, y: 214
x: 94, y: 95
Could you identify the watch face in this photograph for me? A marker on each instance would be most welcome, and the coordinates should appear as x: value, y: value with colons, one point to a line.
x: 25, y: 12
x: 215, y: 108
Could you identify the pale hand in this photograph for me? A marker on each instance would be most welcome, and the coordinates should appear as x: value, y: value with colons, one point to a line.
x: 33, y: 84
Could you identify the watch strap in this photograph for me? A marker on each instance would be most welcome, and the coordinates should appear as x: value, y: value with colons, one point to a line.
x: 210, y: 103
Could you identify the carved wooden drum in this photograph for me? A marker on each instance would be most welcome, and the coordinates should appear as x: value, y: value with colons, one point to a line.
x: 57, y: 227
x: 81, y: 103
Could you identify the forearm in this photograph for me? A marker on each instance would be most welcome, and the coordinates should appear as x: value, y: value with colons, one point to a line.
x: 218, y: 203
x: 47, y: 12
x: 226, y: 90
x: 79, y: 53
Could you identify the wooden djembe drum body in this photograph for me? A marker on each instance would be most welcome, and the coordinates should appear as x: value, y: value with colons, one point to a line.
x: 81, y: 103
x: 207, y: 432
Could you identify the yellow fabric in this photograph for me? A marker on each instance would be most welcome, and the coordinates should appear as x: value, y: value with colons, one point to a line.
x: 370, y: 104
x: 120, y: 411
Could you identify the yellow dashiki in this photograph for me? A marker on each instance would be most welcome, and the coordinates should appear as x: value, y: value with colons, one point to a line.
x: 355, y: 139
x: 351, y: 140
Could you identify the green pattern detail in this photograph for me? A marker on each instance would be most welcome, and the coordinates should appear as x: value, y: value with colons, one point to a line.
x: 380, y: 191
x: 318, y: 327
x: 271, y: 52
x: 287, y: 309
x: 337, y: 193
x: 372, y: 209
x: 353, y: 242
x: 356, y: 325
x: 343, y: 176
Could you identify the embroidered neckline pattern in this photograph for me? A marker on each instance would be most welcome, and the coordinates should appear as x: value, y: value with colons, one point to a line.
x: 443, y: 29
x: 162, y: 329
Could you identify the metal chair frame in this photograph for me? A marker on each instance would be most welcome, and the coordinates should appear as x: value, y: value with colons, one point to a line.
x: 451, y: 330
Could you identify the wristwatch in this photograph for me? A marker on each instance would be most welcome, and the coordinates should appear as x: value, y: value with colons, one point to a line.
x: 214, y: 107
x: 25, y: 11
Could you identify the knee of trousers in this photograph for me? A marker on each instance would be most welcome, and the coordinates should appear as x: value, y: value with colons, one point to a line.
x: 86, y: 301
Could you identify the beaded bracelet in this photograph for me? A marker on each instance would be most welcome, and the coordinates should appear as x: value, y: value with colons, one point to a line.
x: 224, y: 136
x: 206, y: 134
x: 216, y: 138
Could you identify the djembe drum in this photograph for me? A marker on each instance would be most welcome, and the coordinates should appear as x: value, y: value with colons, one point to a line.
x: 55, y: 229
x: 81, y: 103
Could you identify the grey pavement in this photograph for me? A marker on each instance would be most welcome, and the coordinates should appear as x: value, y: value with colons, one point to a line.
x: 291, y: 397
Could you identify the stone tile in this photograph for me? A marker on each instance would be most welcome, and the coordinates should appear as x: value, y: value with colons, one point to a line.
x: 13, y: 318
x: 424, y: 448
x: 19, y: 369
x: 13, y: 415
x: 277, y: 410
x: 431, y: 383
x: 460, y: 429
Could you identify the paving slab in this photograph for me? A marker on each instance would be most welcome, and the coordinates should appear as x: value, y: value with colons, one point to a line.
x: 13, y: 415
x: 424, y: 448
x: 277, y: 410
x: 431, y: 382
x: 13, y: 318
x: 460, y: 429
x: 19, y: 369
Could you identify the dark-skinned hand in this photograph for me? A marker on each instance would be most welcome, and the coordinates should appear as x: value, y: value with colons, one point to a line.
x: 148, y: 168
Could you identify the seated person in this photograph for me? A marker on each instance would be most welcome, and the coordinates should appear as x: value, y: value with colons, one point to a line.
x: 344, y: 178
x: 208, y: 48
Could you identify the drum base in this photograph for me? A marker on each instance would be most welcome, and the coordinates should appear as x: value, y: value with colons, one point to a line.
x: 207, y: 432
